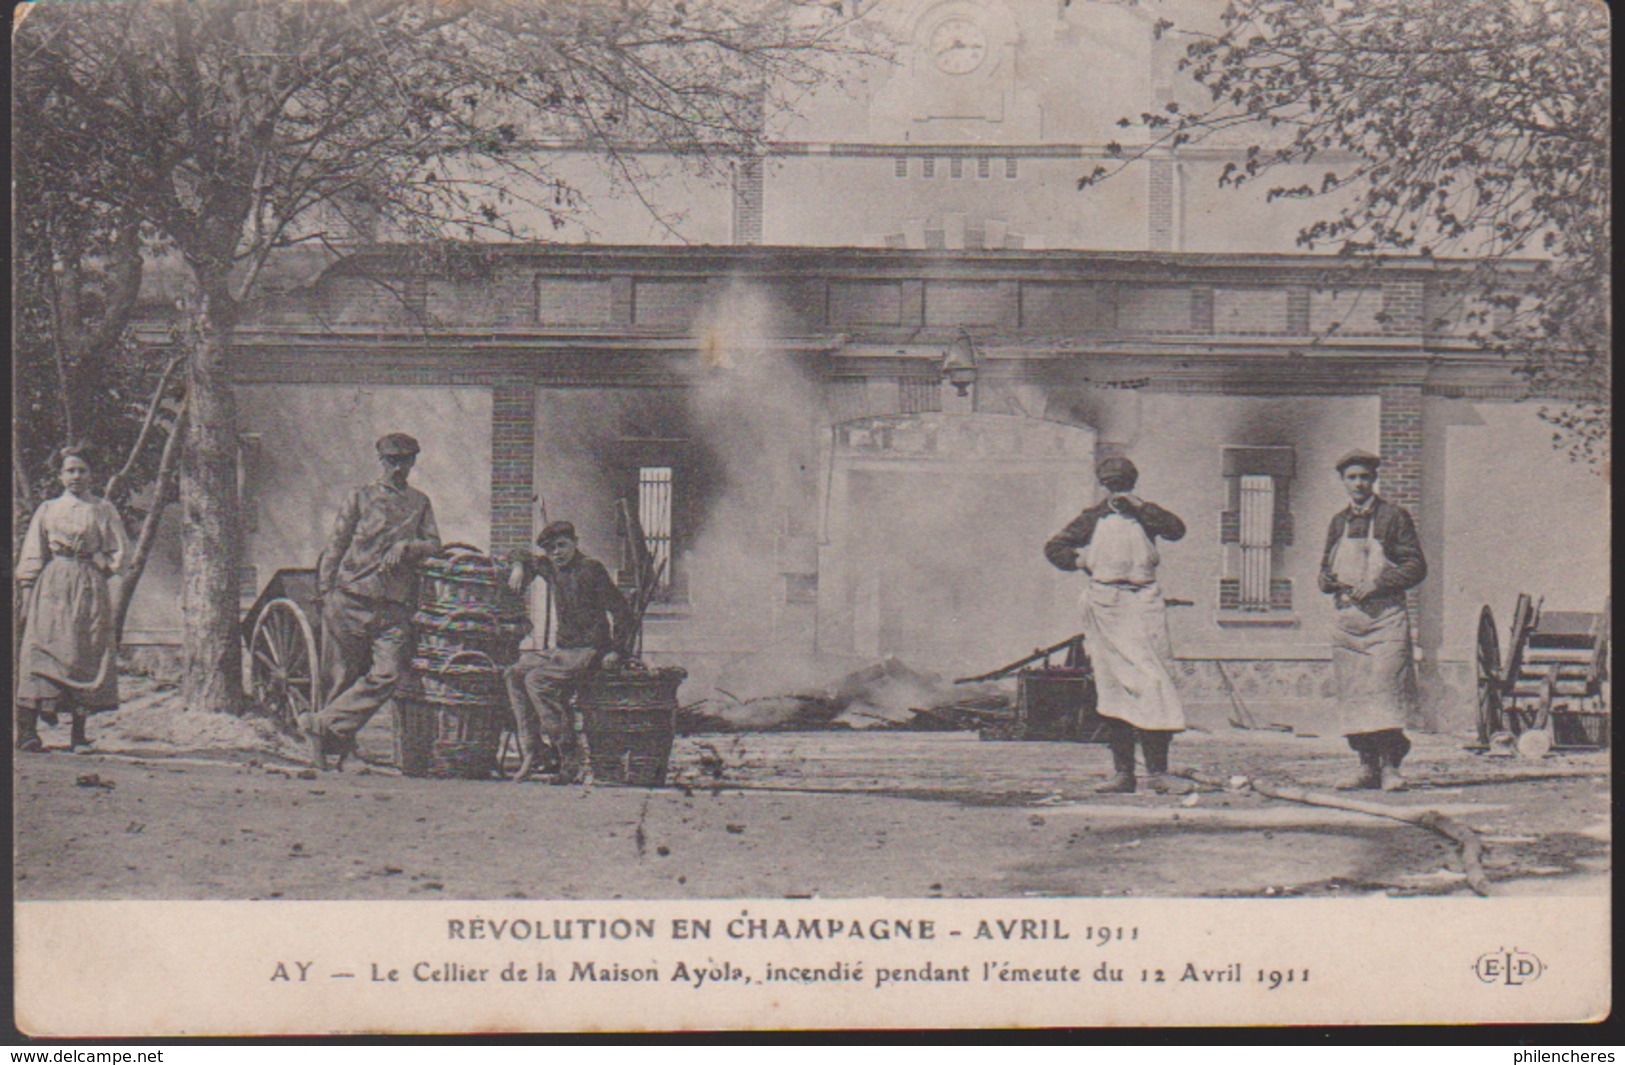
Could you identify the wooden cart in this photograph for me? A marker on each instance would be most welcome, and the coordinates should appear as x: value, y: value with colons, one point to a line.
x: 1553, y: 693
x: 282, y: 636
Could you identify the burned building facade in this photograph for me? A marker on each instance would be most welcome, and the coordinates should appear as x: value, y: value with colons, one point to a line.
x: 771, y: 397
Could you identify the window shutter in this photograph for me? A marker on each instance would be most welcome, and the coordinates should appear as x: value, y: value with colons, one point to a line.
x: 1257, y: 537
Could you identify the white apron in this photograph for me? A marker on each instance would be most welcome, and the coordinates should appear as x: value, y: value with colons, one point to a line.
x: 1371, y: 646
x: 1125, y: 628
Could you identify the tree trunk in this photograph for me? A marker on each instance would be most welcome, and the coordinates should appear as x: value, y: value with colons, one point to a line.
x: 164, y: 490
x: 211, y: 649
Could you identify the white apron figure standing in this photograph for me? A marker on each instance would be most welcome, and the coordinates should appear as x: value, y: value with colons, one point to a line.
x: 1373, y: 557
x: 1125, y: 622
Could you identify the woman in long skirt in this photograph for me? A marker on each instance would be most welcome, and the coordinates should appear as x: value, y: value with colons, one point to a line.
x: 68, y: 658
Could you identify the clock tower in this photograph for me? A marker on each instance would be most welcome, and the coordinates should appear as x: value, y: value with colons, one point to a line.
x: 956, y: 81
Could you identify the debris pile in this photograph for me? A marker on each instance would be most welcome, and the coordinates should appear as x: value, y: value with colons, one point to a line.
x: 887, y: 694
x: 152, y: 715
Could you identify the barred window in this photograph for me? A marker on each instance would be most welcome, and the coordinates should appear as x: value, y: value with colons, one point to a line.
x: 654, y: 514
x: 1256, y: 525
x: 654, y: 481
x: 919, y: 393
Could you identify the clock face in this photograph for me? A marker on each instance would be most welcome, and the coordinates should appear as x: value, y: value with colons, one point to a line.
x: 957, y: 45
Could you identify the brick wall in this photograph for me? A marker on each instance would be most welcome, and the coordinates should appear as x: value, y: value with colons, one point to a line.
x: 1402, y: 307
x: 1400, y: 440
x: 747, y: 200
x: 1400, y: 445
x: 513, y: 462
x: 1160, y: 205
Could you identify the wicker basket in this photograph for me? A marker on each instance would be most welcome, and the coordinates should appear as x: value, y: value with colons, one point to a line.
x: 464, y: 678
x: 1580, y: 730
x: 465, y: 580
x: 629, y: 717
x: 446, y: 742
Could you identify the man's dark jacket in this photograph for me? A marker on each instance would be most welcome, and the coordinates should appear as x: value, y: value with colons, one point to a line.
x: 1390, y: 525
x: 586, y: 600
x: 1063, y: 547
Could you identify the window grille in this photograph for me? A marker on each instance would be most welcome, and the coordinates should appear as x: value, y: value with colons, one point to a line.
x: 654, y: 514
x: 919, y: 393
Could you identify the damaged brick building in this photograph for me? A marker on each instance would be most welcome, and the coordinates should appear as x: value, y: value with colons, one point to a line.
x: 771, y: 396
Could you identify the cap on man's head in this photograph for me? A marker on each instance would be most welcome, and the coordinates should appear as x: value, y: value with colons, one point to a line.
x: 1117, y: 473
x: 1359, y: 458
x: 557, y: 530
x: 397, y: 444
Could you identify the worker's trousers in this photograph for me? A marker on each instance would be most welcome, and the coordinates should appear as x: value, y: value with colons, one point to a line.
x: 366, y: 645
x: 540, y: 685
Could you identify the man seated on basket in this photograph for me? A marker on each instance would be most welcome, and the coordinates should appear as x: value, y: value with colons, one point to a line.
x: 594, y: 624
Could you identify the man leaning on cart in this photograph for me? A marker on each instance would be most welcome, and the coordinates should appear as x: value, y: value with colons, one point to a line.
x: 367, y: 583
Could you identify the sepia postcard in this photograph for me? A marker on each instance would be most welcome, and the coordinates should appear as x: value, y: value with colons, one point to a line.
x: 672, y: 515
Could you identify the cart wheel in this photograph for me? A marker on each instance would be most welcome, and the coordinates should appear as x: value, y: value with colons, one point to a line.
x: 1490, y: 718
x: 282, y: 664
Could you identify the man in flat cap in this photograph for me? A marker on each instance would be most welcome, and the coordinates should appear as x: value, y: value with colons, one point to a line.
x: 1125, y: 622
x: 595, y: 628
x: 1373, y: 557
x: 368, y: 583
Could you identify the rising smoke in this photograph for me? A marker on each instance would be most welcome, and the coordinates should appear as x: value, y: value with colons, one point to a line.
x: 930, y: 550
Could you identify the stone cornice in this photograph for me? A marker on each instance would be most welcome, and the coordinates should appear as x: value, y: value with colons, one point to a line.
x: 724, y: 261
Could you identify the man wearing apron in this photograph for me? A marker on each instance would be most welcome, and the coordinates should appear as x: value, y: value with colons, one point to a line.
x: 1373, y: 557
x: 1125, y: 622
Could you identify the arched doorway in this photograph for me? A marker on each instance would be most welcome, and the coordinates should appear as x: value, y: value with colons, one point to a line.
x: 935, y: 529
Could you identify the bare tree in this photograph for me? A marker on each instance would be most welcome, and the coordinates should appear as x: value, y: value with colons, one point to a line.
x: 1475, y: 127
x: 234, y: 128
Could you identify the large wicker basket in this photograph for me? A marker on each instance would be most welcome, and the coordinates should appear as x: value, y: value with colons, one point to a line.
x: 450, y: 708
x: 629, y: 717
x: 446, y: 742
x: 463, y: 579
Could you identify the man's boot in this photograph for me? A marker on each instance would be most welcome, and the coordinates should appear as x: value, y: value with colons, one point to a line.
x: 1395, y: 747
x: 572, y: 763
x: 1121, y: 781
x: 1155, y: 743
x: 315, y: 748
x: 1369, y: 774
x: 28, y: 729
x: 343, y: 747
x: 78, y: 740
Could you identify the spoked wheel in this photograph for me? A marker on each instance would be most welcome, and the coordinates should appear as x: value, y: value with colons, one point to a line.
x: 282, y: 665
x: 1490, y: 717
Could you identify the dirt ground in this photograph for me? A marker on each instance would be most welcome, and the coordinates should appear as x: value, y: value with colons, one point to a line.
x: 174, y: 806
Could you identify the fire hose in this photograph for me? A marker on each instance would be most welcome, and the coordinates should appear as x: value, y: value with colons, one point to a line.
x: 1472, y: 848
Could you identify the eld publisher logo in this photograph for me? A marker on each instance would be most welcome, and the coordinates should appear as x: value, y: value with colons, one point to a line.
x: 1513, y: 968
